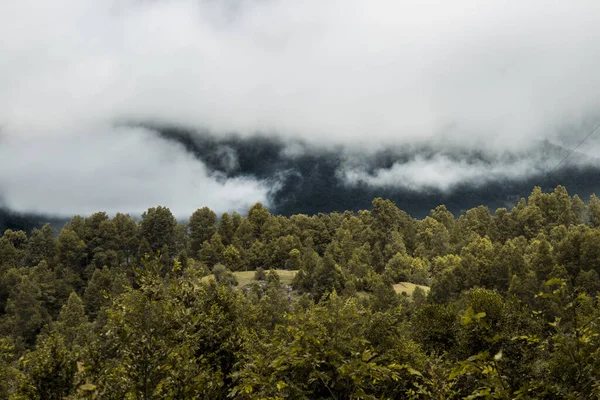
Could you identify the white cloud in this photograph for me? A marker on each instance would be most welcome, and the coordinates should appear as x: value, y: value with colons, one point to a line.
x: 340, y: 71
x: 365, y: 74
x: 121, y: 170
x: 444, y: 172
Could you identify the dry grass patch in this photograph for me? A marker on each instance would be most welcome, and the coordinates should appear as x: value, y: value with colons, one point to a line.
x: 246, y: 277
x: 409, y: 288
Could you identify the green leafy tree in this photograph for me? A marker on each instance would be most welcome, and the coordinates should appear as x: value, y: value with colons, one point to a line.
x: 103, y: 285
x: 231, y: 258
x: 202, y: 226
x: 25, y: 313
x: 432, y: 239
x: 539, y: 258
x: 72, y: 323
x: 158, y: 228
x: 327, y: 277
x: 594, y: 211
x: 226, y: 228
x: 335, y: 360
x: 50, y: 369
x: 212, y: 252
x: 41, y: 246
x: 128, y: 240
x: 13, y: 249
x: 399, y: 268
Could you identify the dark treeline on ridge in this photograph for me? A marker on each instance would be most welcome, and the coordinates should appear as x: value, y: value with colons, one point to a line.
x: 309, y: 180
x: 347, y: 305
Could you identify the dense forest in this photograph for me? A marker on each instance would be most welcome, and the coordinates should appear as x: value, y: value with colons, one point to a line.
x: 371, y: 304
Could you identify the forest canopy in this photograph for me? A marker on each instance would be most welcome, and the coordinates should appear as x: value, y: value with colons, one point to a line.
x: 354, y: 305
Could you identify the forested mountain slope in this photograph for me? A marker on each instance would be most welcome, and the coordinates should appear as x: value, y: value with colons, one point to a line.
x: 117, y: 308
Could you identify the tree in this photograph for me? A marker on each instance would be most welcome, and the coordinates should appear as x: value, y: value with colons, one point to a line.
x: 223, y: 275
x: 505, y: 224
x: 51, y: 368
x: 71, y: 252
x: 212, y: 252
x: 202, y: 226
x: 568, y: 249
x: 594, y: 211
x: 383, y: 295
x: 443, y: 216
x: 13, y: 248
x: 102, y: 286
x: 539, y: 258
x: 508, y: 262
x: 477, y: 261
x: 72, y: 323
x: 158, y: 228
x: 589, y: 281
x: 18, y: 239
x: 476, y: 222
x: 386, y: 218
x: 443, y: 263
x: 25, y: 312
x: 528, y: 219
x: 93, y: 236
x: 579, y: 209
x: 128, y: 237
x: 279, y: 251
x: 327, y: 278
x: 474, y: 338
x: 12, y: 380
x: 589, y: 250
x: 394, y: 245
x: 55, y: 286
x: 41, y: 246
x: 244, y: 235
x: 432, y: 238
x: 434, y: 327
x: 399, y: 268
x: 335, y: 360
x: 257, y: 216
x: 181, y: 237
x: 226, y: 228
x: 231, y: 258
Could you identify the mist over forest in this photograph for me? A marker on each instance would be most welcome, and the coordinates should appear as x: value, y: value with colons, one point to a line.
x: 266, y: 199
x: 299, y: 178
x: 306, y: 108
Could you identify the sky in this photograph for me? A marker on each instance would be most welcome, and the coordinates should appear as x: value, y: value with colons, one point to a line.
x: 77, y: 76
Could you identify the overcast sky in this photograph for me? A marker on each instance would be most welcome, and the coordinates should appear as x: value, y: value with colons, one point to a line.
x: 495, y: 75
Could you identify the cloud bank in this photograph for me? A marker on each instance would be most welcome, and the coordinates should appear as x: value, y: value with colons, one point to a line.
x: 363, y: 75
x: 120, y: 170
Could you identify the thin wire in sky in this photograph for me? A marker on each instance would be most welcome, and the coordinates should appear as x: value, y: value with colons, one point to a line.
x: 573, y: 151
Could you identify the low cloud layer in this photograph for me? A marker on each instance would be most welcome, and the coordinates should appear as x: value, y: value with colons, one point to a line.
x: 121, y: 170
x: 490, y: 76
x: 442, y: 173
x: 444, y: 169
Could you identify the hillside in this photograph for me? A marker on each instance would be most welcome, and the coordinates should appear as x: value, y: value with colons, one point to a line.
x: 373, y: 304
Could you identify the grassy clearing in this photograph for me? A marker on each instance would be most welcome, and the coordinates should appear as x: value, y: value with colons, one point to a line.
x: 246, y: 277
x: 286, y: 276
x: 408, y: 287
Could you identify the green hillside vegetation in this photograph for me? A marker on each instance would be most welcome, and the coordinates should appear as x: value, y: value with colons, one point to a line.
x: 356, y: 305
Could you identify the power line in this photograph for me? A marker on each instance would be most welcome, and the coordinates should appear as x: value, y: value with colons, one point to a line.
x: 573, y: 151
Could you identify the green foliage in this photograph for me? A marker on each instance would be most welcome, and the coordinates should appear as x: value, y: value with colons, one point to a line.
x: 158, y: 229
x: 107, y: 310
x: 202, y: 226
x: 325, y: 352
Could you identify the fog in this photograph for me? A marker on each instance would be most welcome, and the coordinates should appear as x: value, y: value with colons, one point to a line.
x: 75, y: 75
